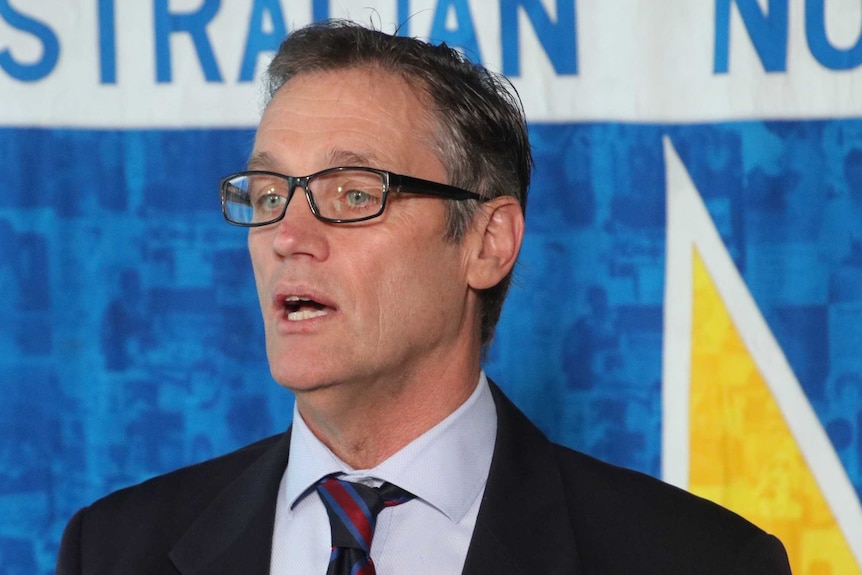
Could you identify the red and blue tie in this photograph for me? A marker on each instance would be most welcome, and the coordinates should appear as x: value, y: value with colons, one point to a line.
x: 353, y: 510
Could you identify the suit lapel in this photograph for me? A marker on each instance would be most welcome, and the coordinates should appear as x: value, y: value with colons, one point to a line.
x: 523, y: 526
x: 234, y: 534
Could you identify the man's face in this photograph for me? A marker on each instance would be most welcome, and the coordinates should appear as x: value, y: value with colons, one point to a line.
x: 387, y: 298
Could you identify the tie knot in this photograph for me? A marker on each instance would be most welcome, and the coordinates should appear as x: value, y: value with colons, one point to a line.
x: 353, y: 508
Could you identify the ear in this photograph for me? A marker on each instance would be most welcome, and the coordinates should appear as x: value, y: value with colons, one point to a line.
x: 496, y: 234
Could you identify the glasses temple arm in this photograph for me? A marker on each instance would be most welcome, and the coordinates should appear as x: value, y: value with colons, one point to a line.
x: 418, y: 186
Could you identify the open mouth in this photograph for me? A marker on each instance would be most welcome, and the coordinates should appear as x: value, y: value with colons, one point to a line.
x: 297, y: 308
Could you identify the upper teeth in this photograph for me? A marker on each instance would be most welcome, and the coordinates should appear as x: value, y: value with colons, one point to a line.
x: 292, y: 298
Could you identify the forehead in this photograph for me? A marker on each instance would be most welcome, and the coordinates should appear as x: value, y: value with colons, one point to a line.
x: 358, y: 116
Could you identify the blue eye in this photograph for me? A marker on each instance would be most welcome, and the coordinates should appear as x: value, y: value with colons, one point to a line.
x: 270, y: 202
x: 358, y: 198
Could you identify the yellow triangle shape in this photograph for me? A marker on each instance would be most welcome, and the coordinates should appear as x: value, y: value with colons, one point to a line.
x: 742, y: 453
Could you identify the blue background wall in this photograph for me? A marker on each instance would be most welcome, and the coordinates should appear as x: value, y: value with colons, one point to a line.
x: 132, y: 344
x: 130, y: 338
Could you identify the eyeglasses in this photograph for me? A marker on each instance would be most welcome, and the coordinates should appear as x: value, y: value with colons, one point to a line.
x: 335, y: 195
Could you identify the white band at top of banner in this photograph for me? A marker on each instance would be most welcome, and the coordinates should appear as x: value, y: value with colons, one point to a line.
x: 197, y: 63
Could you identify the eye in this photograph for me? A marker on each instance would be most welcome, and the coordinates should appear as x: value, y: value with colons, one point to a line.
x: 269, y: 202
x: 358, y: 198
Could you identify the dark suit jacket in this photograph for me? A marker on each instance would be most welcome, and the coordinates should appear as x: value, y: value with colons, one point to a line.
x: 546, y: 509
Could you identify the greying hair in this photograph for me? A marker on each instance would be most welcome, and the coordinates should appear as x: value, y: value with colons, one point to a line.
x: 480, y: 130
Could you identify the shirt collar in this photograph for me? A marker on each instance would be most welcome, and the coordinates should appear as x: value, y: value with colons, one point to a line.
x: 458, y: 449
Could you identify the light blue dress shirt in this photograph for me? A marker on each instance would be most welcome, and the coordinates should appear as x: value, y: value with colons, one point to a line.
x: 446, y: 468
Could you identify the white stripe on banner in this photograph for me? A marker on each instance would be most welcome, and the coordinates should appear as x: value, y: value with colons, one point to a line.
x: 175, y: 63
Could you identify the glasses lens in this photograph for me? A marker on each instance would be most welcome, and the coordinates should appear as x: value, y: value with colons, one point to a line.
x: 348, y: 194
x: 254, y: 199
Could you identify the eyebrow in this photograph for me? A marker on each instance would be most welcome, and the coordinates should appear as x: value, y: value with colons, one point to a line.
x: 260, y: 161
x: 334, y: 157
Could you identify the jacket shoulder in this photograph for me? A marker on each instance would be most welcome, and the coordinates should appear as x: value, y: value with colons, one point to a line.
x: 138, y: 525
x: 620, y: 515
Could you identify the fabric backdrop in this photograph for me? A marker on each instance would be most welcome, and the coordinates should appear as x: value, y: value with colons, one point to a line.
x: 688, y: 300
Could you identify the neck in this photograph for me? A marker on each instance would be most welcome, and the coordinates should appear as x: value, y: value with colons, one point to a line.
x: 366, y: 424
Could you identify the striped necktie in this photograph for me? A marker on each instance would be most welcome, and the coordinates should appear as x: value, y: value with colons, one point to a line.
x: 353, y: 510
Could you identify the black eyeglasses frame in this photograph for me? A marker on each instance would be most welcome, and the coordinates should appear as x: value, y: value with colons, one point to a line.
x: 398, y: 183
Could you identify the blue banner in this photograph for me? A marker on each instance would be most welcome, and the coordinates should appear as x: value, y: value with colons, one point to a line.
x: 132, y: 340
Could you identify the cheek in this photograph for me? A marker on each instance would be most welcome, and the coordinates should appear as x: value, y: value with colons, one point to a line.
x: 425, y: 284
x: 383, y: 290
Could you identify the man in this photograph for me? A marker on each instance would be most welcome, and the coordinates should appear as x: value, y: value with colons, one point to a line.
x: 384, y: 199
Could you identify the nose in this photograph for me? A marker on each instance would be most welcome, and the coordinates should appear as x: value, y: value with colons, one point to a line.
x: 299, y: 232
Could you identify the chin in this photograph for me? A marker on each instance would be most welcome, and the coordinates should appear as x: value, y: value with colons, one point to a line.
x: 299, y: 380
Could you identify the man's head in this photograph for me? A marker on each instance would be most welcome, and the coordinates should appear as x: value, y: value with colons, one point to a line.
x: 479, y: 131
x: 402, y: 295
